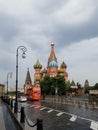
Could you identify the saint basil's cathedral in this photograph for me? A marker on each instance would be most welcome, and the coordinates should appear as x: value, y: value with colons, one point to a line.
x: 51, y: 70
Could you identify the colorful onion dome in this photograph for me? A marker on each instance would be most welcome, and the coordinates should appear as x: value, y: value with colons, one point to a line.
x: 53, y: 64
x: 63, y: 65
x: 60, y: 70
x: 44, y: 71
x: 37, y: 65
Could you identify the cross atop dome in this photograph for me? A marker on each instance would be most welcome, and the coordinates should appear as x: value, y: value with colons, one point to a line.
x: 52, y: 43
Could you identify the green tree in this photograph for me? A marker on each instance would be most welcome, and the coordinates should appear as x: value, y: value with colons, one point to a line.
x: 96, y: 86
x: 49, y: 85
x: 61, y: 85
x: 68, y: 86
x: 72, y: 83
x: 79, y: 85
x: 45, y: 85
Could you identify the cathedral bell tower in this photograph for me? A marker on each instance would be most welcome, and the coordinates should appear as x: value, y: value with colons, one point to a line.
x: 28, y: 82
x: 37, y: 75
x: 52, y: 66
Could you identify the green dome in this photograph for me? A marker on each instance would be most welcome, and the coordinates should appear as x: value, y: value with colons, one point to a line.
x: 37, y: 65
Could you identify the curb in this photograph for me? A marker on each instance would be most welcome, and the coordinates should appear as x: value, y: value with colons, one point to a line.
x: 19, y: 125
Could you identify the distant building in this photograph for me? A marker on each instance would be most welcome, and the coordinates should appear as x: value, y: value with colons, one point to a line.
x: 86, y: 83
x: 14, y: 89
x: 2, y: 89
x: 80, y: 92
x: 51, y: 70
x: 93, y: 95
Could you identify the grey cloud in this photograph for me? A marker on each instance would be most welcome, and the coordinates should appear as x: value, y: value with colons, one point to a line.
x: 66, y: 35
x: 8, y: 27
x: 6, y: 63
x: 38, y: 30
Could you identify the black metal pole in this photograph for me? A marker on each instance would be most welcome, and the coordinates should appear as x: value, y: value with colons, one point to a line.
x: 11, y: 103
x: 7, y: 86
x: 24, y: 49
x: 39, y: 124
x: 22, y: 115
x: 16, y: 104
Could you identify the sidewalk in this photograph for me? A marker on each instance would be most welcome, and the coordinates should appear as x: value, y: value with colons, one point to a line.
x: 6, y: 121
x: 2, y: 124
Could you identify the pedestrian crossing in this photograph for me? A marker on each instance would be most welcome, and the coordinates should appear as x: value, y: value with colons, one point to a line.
x: 50, y: 110
x: 73, y: 118
x: 60, y: 113
x: 43, y: 108
x: 94, y: 125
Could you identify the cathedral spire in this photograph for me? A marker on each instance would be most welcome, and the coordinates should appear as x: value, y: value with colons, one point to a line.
x: 52, y: 54
x: 28, y: 78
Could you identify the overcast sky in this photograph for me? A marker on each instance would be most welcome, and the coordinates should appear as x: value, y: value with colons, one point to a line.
x: 71, y: 24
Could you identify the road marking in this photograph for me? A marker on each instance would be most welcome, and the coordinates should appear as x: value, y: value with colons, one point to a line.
x: 43, y: 108
x: 73, y: 118
x: 32, y: 105
x: 60, y: 113
x: 50, y: 111
x: 27, y: 105
x: 94, y: 125
x: 37, y: 107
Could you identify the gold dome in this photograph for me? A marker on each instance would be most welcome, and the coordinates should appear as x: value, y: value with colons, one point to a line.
x: 60, y: 70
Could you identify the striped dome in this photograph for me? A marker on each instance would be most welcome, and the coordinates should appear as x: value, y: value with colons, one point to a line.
x: 37, y: 65
x: 53, y: 64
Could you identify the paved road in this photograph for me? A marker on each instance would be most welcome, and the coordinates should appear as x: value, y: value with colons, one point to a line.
x: 58, y: 116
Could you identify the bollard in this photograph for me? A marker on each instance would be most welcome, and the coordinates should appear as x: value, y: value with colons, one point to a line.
x: 11, y: 103
x: 39, y: 124
x: 22, y: 115
x: 15, y: 107
x: 7, y: 101
x: 15, y: 110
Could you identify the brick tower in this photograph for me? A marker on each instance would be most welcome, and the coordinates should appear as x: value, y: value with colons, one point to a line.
x: 37, y: 75
x: 52, y: 66
x: 28, y: 82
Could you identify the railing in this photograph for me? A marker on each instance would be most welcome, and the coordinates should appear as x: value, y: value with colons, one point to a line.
x: 80, y: 101
x: 23, y: 117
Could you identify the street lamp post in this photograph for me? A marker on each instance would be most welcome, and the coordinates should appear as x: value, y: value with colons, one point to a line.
x: 56, y: 89
x: 9, y: 74
x: 23, y: 49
